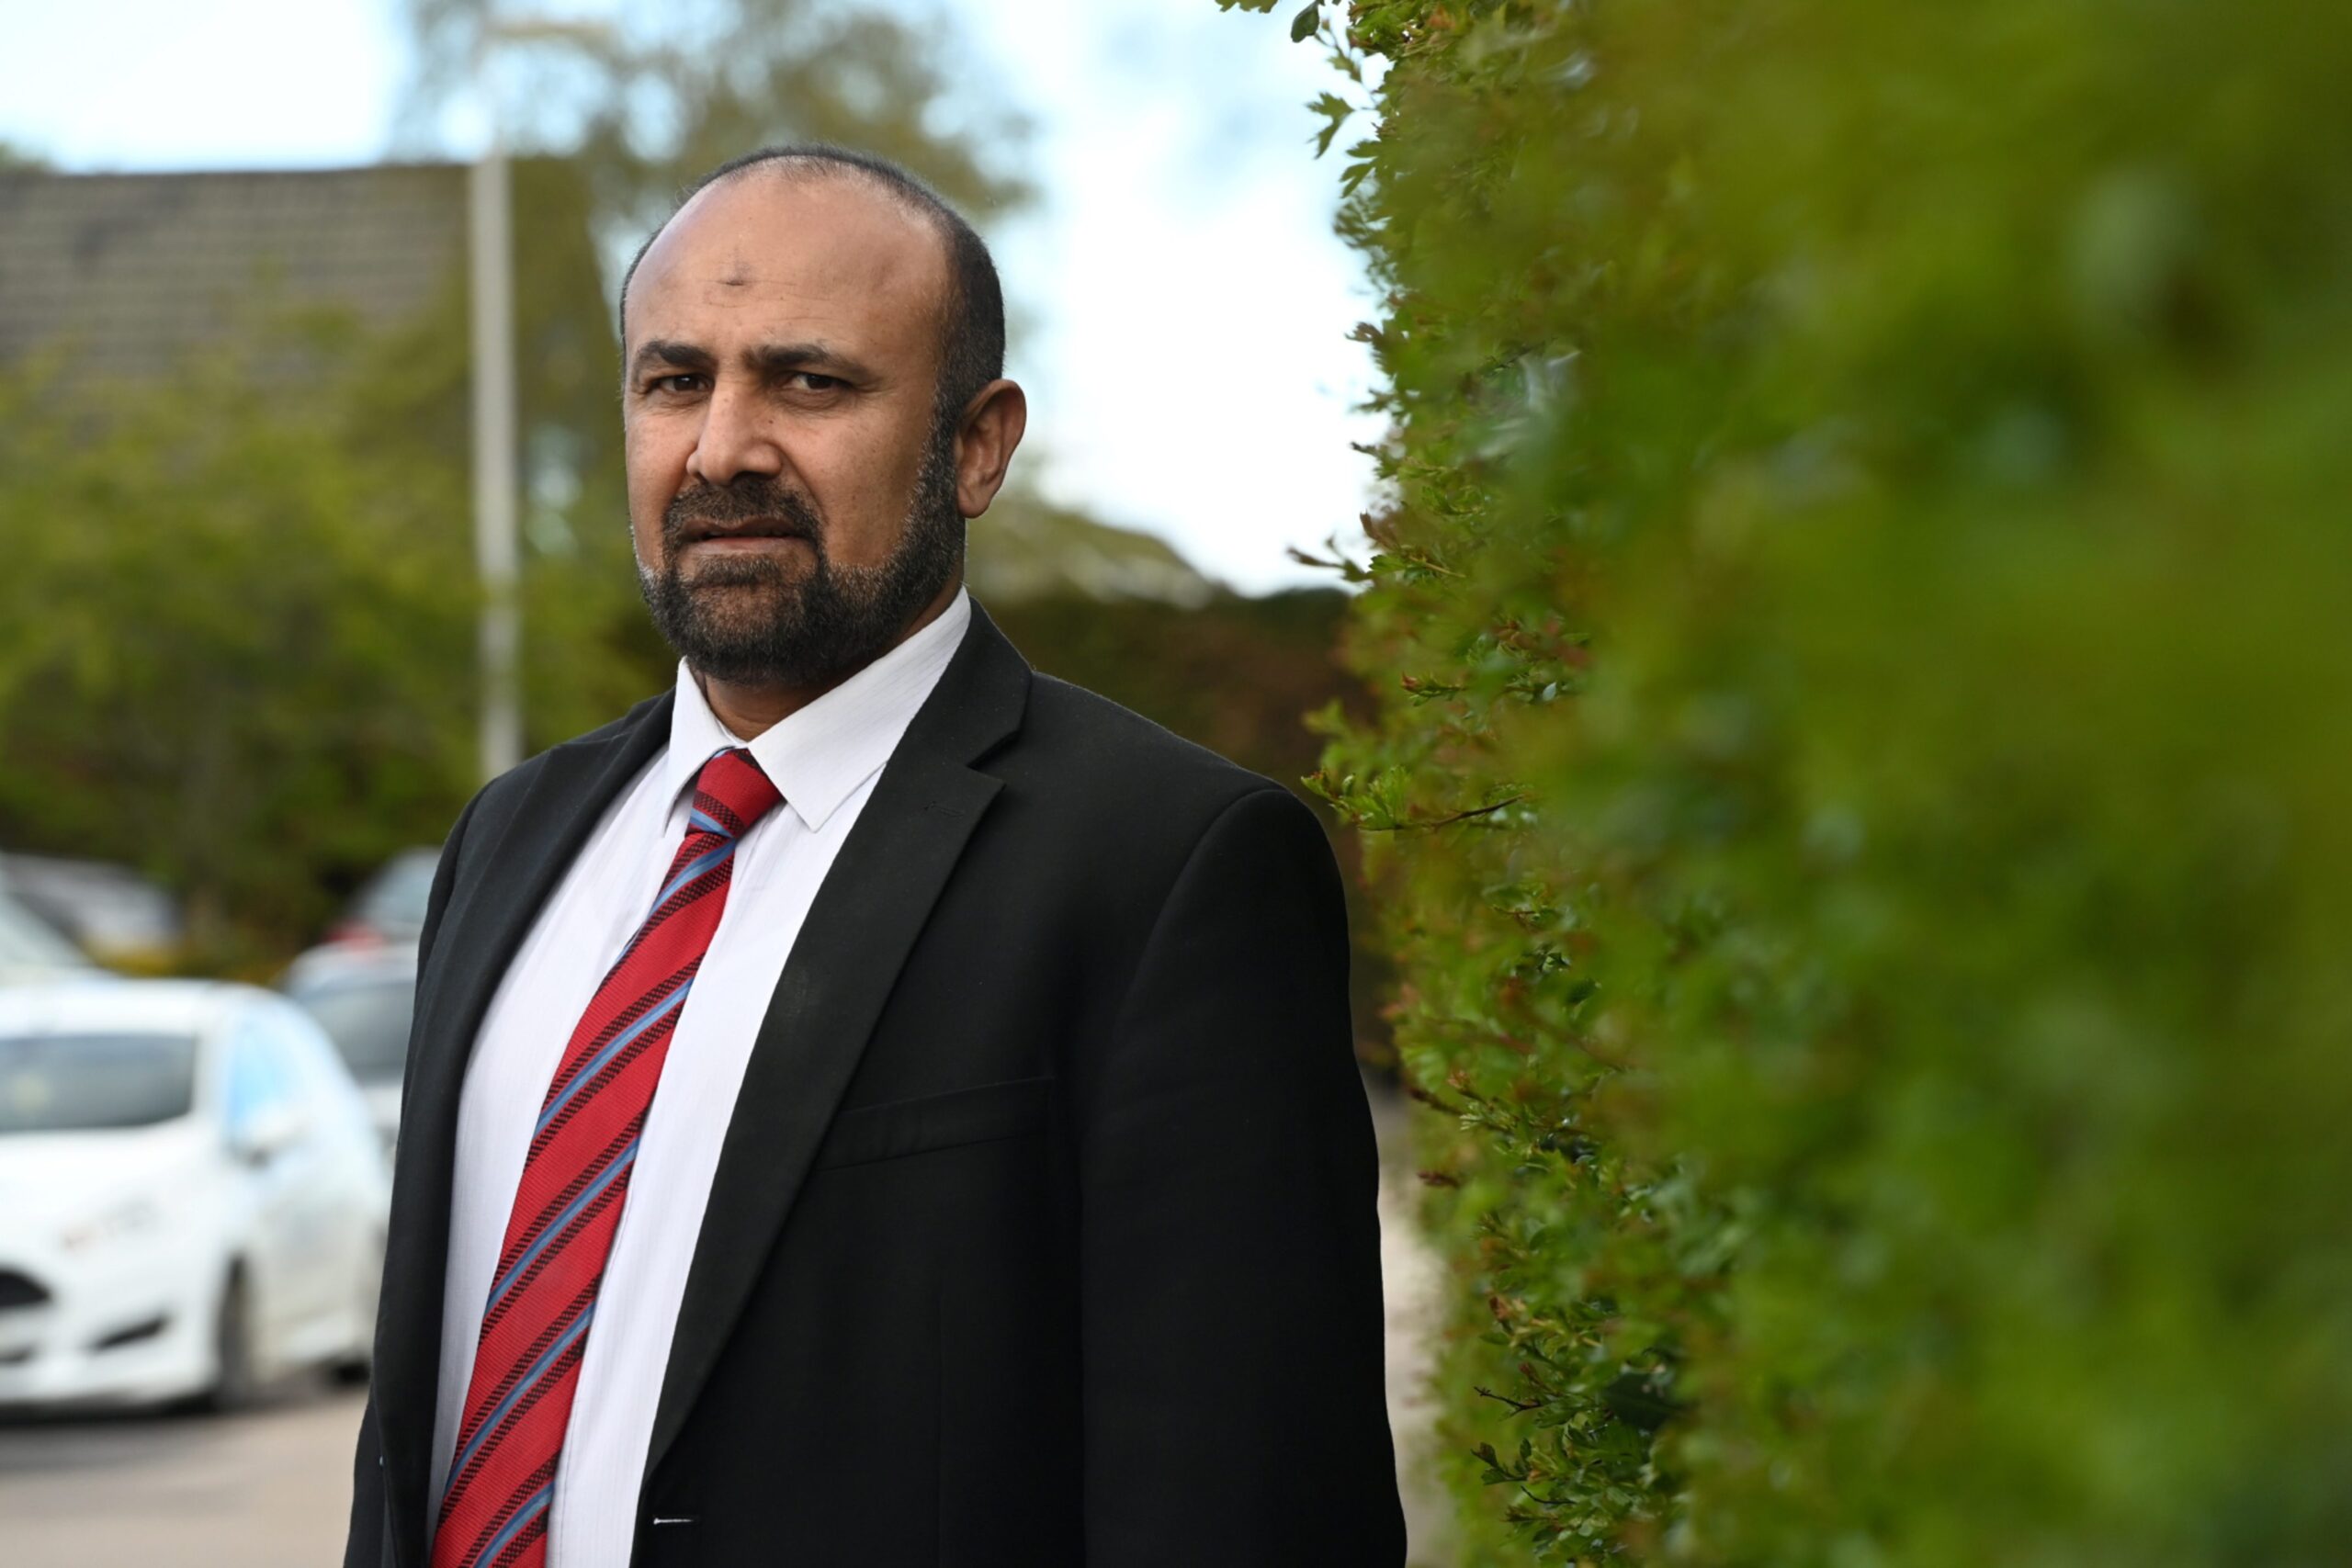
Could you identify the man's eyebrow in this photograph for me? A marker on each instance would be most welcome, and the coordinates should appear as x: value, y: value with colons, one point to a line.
x: 771, y: 359
x: 676, y: 356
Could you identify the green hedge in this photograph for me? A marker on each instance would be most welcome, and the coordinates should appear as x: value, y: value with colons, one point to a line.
x: 1861, y: 800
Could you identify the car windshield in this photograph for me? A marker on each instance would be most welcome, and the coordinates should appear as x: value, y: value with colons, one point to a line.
x: 368, y: 1020
x: 72, y: 1083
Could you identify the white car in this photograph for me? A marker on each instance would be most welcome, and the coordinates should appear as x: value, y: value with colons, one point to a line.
x: 30, y: 951
x: 192, y: 1195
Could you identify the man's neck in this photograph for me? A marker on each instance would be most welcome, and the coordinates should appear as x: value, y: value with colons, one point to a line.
x: 750, y: 708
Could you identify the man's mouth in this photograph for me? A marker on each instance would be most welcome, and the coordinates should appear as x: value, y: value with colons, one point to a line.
x: 754, y: 534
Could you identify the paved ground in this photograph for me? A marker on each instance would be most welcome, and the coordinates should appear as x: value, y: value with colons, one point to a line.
x: 269, y: 1489
x: 1410, y: 1283
x: 266, y: 1489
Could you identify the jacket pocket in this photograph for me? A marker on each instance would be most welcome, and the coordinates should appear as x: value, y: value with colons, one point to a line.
x: 902, y: 1127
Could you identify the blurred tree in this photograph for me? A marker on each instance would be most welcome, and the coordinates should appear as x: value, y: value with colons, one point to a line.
x: 230, y: 634
x: 1232, y: 673
x: 649, y: 100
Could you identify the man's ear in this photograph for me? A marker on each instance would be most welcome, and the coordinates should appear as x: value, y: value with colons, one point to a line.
x: 985, y: 439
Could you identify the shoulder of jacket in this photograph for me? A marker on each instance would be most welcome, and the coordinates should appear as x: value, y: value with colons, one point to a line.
x: 1092, y: 742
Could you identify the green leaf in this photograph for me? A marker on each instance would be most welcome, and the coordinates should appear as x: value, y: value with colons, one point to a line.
x: 1335, y: 111
x: 1302, y: 26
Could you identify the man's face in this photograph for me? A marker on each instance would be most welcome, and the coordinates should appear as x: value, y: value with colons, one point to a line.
x: 791, y: 496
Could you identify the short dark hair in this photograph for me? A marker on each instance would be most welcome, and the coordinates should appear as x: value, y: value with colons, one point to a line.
x: 972, y: 318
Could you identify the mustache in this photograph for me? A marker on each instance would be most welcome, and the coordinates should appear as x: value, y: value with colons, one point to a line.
x: 754, y: 507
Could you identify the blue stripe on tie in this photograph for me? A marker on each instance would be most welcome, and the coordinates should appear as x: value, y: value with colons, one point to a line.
x: 530, y: 1510
x: 699, y: 818
x: 668, y: 1005
x: 694, y: 868
x: 539, y: 1370
x: 628, y: 1154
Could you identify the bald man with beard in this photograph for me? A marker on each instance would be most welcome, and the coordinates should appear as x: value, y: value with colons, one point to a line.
x: 871, y: 1103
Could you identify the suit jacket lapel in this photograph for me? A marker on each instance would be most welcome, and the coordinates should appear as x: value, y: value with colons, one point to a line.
x: 489, y: 914
x: 856, y: 937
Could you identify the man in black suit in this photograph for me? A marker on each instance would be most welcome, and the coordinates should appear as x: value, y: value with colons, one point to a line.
x: 1008, y: 1194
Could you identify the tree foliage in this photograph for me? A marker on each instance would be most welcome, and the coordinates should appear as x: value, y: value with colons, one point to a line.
x: 1857, y: 800
x: 646, y: 102
x: 235, y: 639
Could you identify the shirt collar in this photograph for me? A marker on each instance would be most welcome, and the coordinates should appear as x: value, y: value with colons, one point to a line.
x: 820, y: 754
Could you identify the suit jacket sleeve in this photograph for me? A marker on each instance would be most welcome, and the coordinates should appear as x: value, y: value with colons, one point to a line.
x: 1230, y: 1272
x: 364, y: 1543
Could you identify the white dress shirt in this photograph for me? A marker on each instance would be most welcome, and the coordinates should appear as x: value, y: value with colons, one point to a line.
x: 825, y: 760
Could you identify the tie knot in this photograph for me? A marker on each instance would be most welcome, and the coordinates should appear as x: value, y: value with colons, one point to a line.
x: 733, y: 793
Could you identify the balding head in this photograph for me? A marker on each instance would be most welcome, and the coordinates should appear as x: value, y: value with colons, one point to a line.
x: 970, y: 307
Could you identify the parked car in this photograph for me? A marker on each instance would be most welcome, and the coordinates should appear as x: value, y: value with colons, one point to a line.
x: 110, y: 911
x: 362, y: 996
x: 192, y: 1199
x: 30, y: 948
x: 389, y: 907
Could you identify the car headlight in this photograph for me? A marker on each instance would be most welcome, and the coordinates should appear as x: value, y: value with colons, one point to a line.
x: 110, y: 1224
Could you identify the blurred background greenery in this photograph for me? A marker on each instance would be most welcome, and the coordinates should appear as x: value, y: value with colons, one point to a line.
x: 1859, y: 795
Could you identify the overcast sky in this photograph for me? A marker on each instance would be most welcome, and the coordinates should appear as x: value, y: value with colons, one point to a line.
x: 1187, y: 363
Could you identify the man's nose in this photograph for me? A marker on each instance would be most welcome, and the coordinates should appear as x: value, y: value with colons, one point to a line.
x: 736, y: 437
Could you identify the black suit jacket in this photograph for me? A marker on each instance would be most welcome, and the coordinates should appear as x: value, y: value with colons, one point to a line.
x: 1042, y: 1232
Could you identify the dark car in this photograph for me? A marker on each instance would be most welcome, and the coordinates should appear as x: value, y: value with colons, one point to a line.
x: 391, y: 906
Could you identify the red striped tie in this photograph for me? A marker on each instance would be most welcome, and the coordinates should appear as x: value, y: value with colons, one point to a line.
x: 535, y: 1324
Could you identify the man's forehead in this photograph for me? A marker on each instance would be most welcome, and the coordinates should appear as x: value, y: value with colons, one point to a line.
x: 763, y: 245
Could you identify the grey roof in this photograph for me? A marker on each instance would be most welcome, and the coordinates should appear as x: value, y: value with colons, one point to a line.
x: 135, y: 270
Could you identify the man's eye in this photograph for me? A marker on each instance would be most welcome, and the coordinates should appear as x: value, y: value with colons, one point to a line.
x: 684, y: 381
x: 817, y: 382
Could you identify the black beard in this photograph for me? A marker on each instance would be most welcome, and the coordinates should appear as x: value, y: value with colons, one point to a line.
x: 819, y: 630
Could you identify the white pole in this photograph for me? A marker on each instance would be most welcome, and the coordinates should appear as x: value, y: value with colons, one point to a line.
x: 491, y: 257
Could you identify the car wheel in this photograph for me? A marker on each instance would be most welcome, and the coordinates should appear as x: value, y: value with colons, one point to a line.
x: 234, y: 1379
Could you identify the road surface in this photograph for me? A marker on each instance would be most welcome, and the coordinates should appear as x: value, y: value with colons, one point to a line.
x: 269, y: 1488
